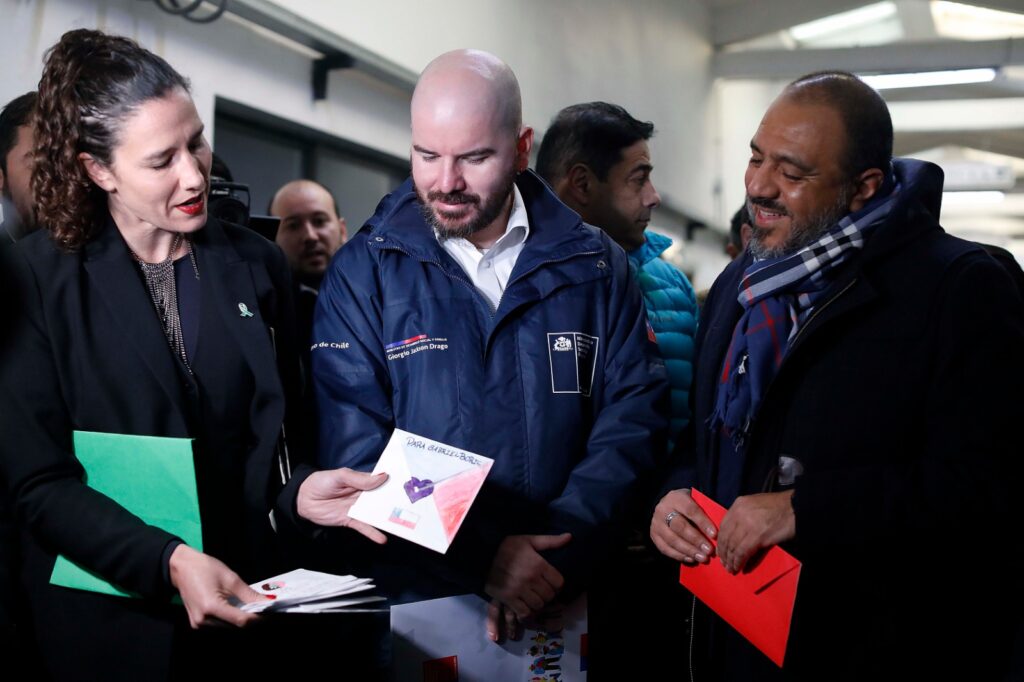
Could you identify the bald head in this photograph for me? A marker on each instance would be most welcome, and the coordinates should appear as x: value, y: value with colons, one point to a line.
x: 311, y: 229
x: 468, y: 144
x: 289, y: 191
x: 464, y: 83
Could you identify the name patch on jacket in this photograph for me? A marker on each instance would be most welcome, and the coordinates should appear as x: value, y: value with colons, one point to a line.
x: 333, y: 345
x: 399, y: 350
x: 573, y: 356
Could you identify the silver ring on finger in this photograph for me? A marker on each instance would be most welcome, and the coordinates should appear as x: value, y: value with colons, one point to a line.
x: 671, y: 515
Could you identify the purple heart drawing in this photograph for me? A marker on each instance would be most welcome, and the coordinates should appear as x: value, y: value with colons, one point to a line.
x: 417, y: 489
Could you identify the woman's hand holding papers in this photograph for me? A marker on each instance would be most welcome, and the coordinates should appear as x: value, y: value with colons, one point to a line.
x: 207, y: 587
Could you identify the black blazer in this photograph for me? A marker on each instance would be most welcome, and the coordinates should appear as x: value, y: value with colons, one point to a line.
x: 86, y: 351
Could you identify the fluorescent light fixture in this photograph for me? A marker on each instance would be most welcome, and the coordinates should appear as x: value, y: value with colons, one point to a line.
x: 925, y: 79
x: 983, y: 198
x: 843, y: 21
x: 967, y: 22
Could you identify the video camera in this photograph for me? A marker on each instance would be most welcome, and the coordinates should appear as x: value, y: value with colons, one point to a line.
x: 230, y: 201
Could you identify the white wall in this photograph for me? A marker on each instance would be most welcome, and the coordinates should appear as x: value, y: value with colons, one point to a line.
x: 742, y: 103
x: 221, y: 59
x: 651, y: 56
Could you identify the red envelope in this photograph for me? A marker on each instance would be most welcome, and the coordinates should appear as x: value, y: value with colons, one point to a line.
x: 757, y: 602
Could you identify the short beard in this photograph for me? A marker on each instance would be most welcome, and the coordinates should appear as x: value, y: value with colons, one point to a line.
x: 486, y: 214
x: 801, y: 234
x: 15, y: 224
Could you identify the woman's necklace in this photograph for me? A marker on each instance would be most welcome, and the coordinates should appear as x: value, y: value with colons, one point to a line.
x: 164, y: 294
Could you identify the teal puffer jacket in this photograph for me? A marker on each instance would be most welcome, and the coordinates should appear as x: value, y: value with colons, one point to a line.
x: 672, y: 310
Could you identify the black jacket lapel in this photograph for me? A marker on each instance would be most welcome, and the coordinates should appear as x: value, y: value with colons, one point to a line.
x: 113, y: 273
x: 240, y: 291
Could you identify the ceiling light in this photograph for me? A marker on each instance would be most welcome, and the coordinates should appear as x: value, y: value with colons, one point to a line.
x: 926, y: 79
x: 843, y: 21
x: 967, y: 22
x: 972, y: 198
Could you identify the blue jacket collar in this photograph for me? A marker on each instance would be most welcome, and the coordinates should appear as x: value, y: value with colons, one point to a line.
x: 654, y: 245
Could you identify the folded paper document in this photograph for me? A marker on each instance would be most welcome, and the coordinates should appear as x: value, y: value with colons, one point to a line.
x: 758, y: 601
x: 429, y: 490
x: 152, y: 477
x: 303, y: 591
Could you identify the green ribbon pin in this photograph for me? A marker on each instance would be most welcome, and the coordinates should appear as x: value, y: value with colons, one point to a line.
x: 244, y: 311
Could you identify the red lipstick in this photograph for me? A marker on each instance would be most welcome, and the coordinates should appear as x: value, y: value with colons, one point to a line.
x: 192, y: 207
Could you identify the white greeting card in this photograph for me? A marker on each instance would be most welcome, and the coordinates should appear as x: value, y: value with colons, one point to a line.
x: 429, y: 491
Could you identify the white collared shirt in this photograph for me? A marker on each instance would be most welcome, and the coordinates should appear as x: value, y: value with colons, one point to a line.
x: 489, y: 269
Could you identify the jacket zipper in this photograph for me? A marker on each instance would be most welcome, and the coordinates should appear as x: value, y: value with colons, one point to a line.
x: 815, y: 313
x: 284, y: 463
x: 693, y: 630
x: 537, y: 267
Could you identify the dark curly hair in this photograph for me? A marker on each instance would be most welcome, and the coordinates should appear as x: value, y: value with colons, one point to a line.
x: 91, y: 83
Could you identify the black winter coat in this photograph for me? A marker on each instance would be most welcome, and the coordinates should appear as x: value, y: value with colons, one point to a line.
x: 900, y: 397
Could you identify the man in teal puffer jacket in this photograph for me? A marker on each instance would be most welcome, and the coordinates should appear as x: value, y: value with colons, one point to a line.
x: 596, y: 158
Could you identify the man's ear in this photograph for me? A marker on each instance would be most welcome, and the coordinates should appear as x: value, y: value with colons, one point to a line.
x: 579, y: 184
x: 524, y: 143
x: 866, y: 185
x: 97, y: 172
x: 344, y: 230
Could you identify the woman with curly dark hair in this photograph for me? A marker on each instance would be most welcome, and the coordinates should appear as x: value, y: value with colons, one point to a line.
x: 139, y: 314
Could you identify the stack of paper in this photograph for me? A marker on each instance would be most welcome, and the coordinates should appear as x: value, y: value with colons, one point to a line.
x: 302, y: 591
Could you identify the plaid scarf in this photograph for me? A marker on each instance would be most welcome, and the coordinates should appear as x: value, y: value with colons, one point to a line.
x: 777, y: 295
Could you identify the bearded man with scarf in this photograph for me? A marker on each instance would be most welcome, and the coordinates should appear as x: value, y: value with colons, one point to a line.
x: 855, y: 397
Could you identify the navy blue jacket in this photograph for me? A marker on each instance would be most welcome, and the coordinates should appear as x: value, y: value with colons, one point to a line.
x: 900, y: 397
x: 570, y: 431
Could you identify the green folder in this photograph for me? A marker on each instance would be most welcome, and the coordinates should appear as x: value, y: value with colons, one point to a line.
x: 153, y: 478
